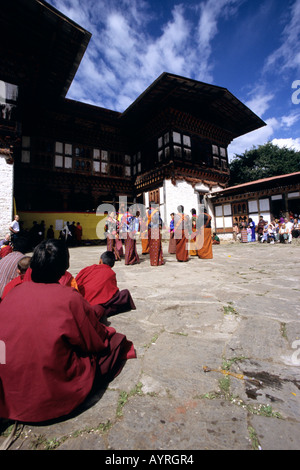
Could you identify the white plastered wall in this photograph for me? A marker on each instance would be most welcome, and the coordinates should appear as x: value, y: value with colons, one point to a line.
x: 6, y: 195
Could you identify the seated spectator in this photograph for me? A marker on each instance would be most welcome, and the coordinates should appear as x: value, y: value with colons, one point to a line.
x: 6, y: 238
x: 59, y: 347
x: 98, y: 285
x: 66, y: 279
x: 9, y: 264
x: 215, y: 239
x: 264, y: 235
x: 283, y: 234
x: 275, y: 224
x: 296, y: 229
x: 271, y: 234
x: 289, y: 226
x: 5, y: 249
x: 23, y: 266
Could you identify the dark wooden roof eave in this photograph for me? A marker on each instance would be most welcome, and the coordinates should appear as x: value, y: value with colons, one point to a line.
x: 212, y: 103
x: 42, y: 46
x: 274, y: 181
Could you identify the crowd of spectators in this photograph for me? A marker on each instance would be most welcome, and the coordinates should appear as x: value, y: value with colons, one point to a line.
x: 278, y: 230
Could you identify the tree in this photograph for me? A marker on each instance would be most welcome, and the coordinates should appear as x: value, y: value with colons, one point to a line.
x: 263, y: 162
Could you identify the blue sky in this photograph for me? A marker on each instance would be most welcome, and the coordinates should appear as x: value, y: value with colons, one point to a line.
x: 250, y: 47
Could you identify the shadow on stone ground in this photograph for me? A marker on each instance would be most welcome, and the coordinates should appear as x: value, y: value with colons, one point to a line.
x: 238, y: 313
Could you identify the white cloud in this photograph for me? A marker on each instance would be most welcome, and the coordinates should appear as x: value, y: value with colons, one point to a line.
x: 289, y: 143
x: 210, y: 13
x: 253, y: 139
x: 287, y: 56
x: 265, y: 134
x: 260, y: 102
x: 123, y: 57
x: 290, y: 120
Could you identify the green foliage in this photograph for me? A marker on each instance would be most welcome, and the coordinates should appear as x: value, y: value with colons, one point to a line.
x: 264, y: 161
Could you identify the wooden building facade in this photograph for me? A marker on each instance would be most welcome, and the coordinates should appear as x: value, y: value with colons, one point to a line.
x: 169, y: 146
x: 269, y: 197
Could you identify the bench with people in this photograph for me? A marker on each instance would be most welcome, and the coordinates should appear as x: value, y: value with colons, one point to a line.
x: 282, y: 230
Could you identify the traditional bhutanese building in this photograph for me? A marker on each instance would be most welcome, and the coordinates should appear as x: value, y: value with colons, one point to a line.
x: 169, y: 146
x: 268, y: 197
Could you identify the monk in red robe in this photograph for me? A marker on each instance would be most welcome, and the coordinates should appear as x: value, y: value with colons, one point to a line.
x: 5, y: 249
x: 181, y: 225
x: 55, y: 345
x: 154, y: 236
x: 22, y: 267
x: 25, y: 276
x: 111, y: 227
x: 98, y: 285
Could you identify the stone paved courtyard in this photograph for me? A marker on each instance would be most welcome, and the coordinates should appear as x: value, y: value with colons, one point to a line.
x: 239, y: 313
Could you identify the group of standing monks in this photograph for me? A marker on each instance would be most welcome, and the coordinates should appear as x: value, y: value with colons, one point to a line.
x: 189, y: 236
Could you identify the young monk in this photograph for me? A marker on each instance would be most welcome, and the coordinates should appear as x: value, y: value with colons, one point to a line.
x: 98, y: 285
x: 59, y: 347
x: 5, y: 249
x: 23, y: 265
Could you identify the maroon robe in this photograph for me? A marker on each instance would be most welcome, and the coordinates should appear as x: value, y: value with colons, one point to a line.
x: 98, y: 285
x: 182, y: 250
x: 155, y: 247
x: 131, y: 254
x: 55, y: 347
x: 112, y: 246
x: 172, y: 243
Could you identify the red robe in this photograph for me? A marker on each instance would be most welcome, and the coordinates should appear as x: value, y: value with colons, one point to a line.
x: 5, y: 250
x: 180, y: 224
x: 97, y: 283
x: 13, y: 283
x: 66, y: 280
x: 54, y: 347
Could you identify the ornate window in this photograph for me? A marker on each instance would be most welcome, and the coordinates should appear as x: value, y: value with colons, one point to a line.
x: 25, y: 157
x: 179, y: 143
x: 63, y: 155
x: 163, y: 145
x: 137, y: 163
x: 219, y: 157
x: 182, y: 146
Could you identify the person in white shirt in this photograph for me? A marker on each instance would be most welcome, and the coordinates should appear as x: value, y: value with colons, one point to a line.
x: 14, y: 228
x: 289, y: 226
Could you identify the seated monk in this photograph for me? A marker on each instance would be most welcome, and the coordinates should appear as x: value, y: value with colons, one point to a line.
x: 24, y: 272
x: 59, y: 349
x: 98, y: 285
x: 23, y: 265
x: 5, y: 249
